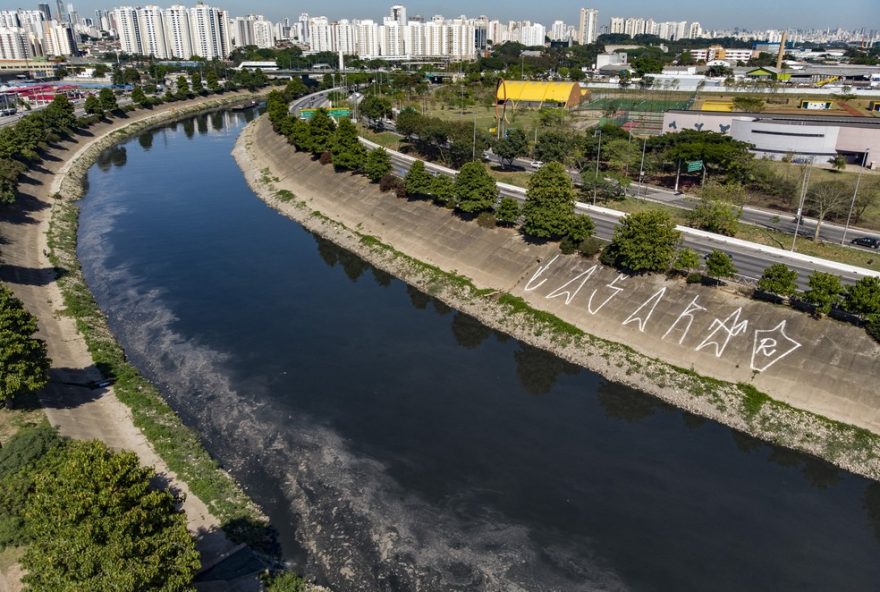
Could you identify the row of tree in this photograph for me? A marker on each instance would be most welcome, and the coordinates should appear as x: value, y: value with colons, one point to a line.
x: 24, y: 364
x: 20, y: 144
x: 90, y: 518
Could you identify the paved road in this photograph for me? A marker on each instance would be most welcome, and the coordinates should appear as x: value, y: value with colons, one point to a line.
x: 775, y: 220
x: 750, y: 259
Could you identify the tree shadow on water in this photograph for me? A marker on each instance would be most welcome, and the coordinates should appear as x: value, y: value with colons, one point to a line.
x: 468, y: 331
x: 626, y: 404
x: 539, y: 370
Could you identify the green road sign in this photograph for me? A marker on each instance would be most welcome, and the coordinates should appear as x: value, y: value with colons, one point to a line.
x: 695, y: 165
x: 335, y: 113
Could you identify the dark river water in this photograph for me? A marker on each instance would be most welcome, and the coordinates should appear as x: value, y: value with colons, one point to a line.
x: 399, y: 445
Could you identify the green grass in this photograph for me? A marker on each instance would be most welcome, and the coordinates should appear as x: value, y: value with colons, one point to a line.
x: 285, y: 195
x: 386, y: 139
x: 753, y: 399
x: 805, y: 246
x: 178, y: 445
x: 517, y: 305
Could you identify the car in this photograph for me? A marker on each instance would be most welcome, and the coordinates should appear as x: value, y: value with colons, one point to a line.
x: 867, y: 241
x: 536, y: 164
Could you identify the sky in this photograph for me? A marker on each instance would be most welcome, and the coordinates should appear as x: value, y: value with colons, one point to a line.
x: 749, y: 14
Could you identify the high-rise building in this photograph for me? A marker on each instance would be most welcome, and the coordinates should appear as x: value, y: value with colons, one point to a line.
x: 398, y: 14
x: 128, y: 29
x: 179, y: 32
x: 695, y: 31
x: 14, y: 44
x: 588, y: 26
x: 44, y: 8
x: 617, y: 25
x: 154, y: 40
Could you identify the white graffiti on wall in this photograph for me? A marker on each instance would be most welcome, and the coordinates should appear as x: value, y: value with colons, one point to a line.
x: 768, y: 347
x: 688, y: 315
x: 771, y: 345
x: 721, y: 332
x: 614, y: 292
x: 653, y: 301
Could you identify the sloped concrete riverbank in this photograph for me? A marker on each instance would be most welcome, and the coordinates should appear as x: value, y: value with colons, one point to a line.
x: 705, y: 350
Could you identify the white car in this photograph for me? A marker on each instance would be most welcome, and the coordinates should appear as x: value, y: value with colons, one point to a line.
x: 536, y: 164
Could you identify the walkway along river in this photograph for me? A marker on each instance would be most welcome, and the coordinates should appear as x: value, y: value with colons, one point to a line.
x: 399, y: 445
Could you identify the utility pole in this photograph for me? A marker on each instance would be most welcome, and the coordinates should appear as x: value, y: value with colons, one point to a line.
x: 799, y: 214
x: 677, y: 175
x: 596, y: 180
x: 855, y: 194
x: 642, y: 167
x: 474, y: 148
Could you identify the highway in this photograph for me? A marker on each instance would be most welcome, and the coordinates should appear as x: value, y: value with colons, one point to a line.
x: 749, y: 258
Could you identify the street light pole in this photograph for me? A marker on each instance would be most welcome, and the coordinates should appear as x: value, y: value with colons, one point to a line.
x: 855, y: 194
x: 642, y: 166
x: 799, y: 214
x: 596, y: 180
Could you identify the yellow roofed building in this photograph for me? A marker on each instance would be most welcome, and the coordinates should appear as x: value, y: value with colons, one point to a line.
x: 528, y: 94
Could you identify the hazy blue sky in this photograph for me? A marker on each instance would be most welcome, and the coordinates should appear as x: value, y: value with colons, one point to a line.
x: 711, y: 13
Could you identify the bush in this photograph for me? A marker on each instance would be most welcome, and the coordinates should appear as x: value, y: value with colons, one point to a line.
x: 486, y: 219
x: 325, y: 158
x: 567, y: 246
x: 873, y: 329
x: 26, y: 447
x: 507, y: 212
x: 579, y: 228
x: 824, y: 292
x: 387, y: 182
x: 863, y: 297
x: 400, y: 190
x: 695, y: 277
x: 645, y: 242
x: 719, y: 265
x: 590, y: 246
x: 778, y: 279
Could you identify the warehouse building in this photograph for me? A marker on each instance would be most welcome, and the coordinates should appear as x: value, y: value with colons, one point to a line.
x: 535, y: 95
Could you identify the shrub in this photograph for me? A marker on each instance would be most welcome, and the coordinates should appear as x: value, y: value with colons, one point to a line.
x: 873, y: 329
x: 507, y: 212
x: 695, y: 277
x: 387, y: 182
x: 400, y: 190
x: 719, y: 265
x: 26, y: 447
x: 590, y: 246
x: 326, y: 158
x: 645, y: 242
x: 567, y: 245
x: 486, y: 219
x: 824, y: 291
x: 778, y: 279
x: 579, y: 228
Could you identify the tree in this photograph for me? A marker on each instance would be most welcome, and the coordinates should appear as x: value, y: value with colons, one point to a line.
x: 620, y: 155
x: 549, y: 202
x: 778, y: 279
x: 212, y: 80
x: 863, y: 298
x: 824, y: 198
x: 867, y: 197
x: 108, y: 100
x: 139, y: 97
x: 513, y: 145
x: 748, y: 104
x: 645, y: 241
x: 605, y: 187
x: 475, y: 189
x: 375, y: 108
x: 286, y: 582
x: 60, y: 114
x: 10, y: 170
x: 731, y: 192
x: 321, y: 129
x: 346, y: 148
x: 686, y: 261
x: 93, y: 106
x: 507, y: 212
x: 555, y: 146
x: 715, y: 216
x: 579, y: 228
x: 197, y: 85
x: 182, y: 87
x: 719, y: 265
x: 24, y: 364
x: 377, y: 164
x: 443, y: 189
x: 838, y: 162
x: 824, y: 291
x: 97, y: 524
x: 418, y: 181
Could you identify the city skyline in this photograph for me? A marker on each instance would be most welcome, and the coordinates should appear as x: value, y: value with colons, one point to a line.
x: 748, y: 14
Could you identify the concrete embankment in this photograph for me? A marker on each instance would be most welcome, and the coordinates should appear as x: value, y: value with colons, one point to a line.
x: 656, y: 334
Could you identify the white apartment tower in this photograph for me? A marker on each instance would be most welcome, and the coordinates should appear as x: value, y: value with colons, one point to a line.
x: 128, y: 29
x: 14, y: 44
x: 179, y: 31
x: 588, y: 26
x: 398, y: 13
x: 210, y: 32
x: 154, y: 41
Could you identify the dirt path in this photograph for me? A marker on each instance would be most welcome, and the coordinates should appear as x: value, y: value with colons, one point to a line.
x: 78, y: 411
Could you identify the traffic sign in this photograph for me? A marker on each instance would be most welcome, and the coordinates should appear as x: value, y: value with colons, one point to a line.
x: 695, y: 165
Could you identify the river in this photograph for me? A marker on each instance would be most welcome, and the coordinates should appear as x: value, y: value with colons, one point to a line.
x: 399, y: 445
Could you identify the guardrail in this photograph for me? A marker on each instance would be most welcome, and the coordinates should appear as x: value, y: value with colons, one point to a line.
x: 773, y: 254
